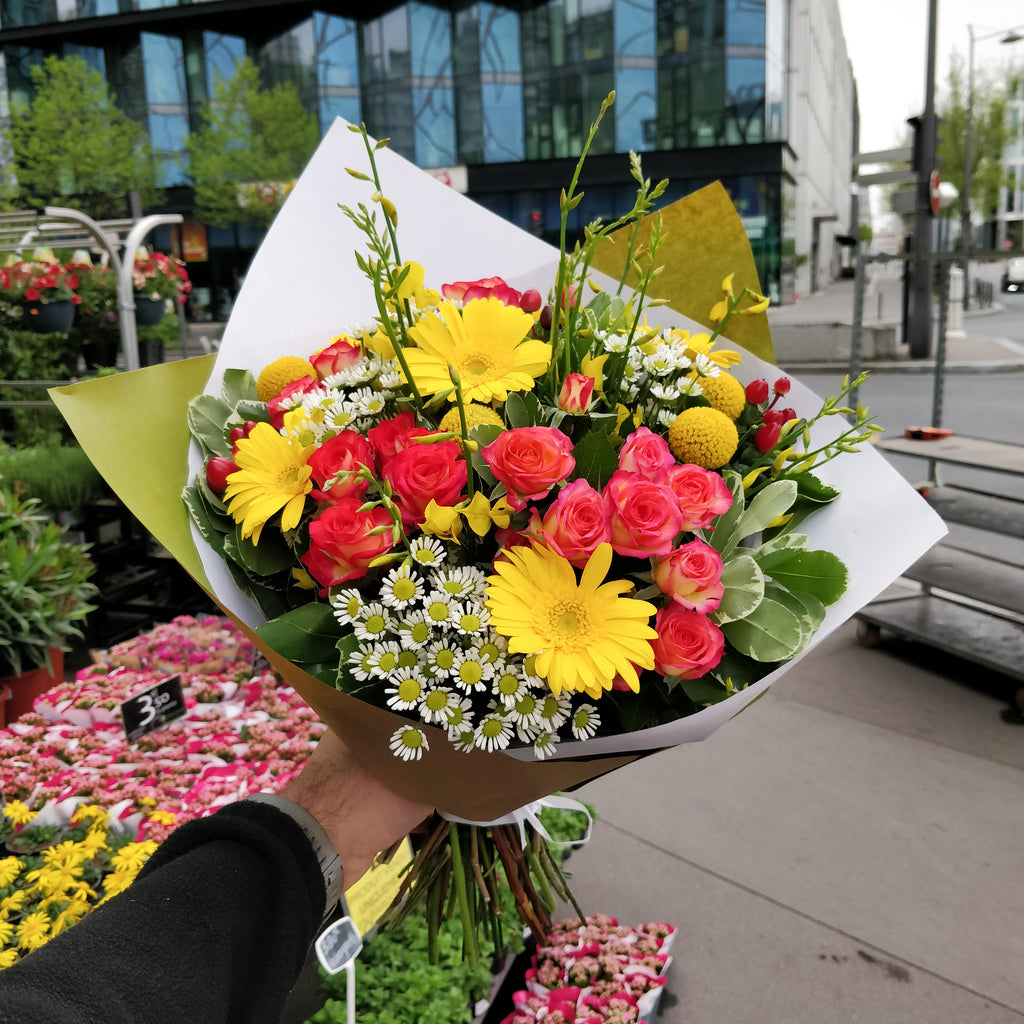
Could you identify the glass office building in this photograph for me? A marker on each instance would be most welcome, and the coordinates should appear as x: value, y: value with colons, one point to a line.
x: 505, y: 90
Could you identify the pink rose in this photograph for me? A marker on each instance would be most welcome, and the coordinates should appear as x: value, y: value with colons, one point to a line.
x: 702, y: 495
x: 646, y: 453
x: 576, y: 523
x: 689, y: 644
x: 691, y: 575
x: 464, y: 291
x: 645, y: 516
x: 390, y: 436
x: 423, y: 472
x: 574, y: 398
x: 341, y: 353
x: 345, y: 451
x: 529, y: 461
x: 341, y: 546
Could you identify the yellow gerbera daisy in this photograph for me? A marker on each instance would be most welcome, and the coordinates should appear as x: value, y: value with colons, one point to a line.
x: 487, y: 344
x: 272, y: 476
x: 582, y: 633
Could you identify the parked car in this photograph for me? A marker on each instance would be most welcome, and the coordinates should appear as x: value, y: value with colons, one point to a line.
x: 1013, y: 276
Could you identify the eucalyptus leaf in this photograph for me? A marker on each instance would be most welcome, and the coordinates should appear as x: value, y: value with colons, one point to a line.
x: 207, y: 419
x: 516, y: 414
x: 819, y: 573
x: 744, y: 588
x: 770, y: 633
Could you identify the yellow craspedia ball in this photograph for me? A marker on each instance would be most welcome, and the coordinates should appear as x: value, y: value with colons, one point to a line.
x: 725, y: 393
x: 703, y: 436
x: 475, y: 415
x: 280, y: 373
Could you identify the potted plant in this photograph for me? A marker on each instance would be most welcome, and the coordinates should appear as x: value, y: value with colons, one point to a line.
x: 46, y: 290
x: 44, y: 594
x: 157, y: 278
x: 96, y: 323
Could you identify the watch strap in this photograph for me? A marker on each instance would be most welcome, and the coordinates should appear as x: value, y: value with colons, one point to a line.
x: 331, y: 867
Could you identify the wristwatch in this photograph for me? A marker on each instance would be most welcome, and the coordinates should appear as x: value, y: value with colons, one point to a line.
x: 330, y: 862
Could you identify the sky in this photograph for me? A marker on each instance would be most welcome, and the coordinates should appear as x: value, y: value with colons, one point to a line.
x: 887, y: 42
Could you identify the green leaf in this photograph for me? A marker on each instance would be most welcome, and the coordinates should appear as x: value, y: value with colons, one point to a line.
x: 516, y: 414
x: 819, y: 573
x: 744, y: 588
x: 271, y: 556
x: 705, y: 691
x: 773, y: 592
x: 236, y: 386
x: 207, y: 418
x: 252, y: 410
x: 812, y: 489
x: 305, y: 635
x: 770, y: 633
x: 769, y: 503
x: 208, y: 524
x: 721, y: 538
x: 596, y: 459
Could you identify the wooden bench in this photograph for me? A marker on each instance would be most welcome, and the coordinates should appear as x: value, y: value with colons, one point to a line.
x: 968, y: 604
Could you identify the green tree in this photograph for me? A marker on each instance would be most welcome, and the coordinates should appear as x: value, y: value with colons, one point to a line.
x: 73, y: 146
x: 988, y: 134
x: 251, y: 145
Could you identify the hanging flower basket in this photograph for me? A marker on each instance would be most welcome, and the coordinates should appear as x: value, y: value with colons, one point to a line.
x: 48, y: 317
x: 149, y: 309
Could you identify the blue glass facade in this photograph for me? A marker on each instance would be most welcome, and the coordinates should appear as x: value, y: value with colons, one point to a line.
x: 472, y: 83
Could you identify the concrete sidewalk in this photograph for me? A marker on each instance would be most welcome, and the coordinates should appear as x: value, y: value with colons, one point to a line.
x: 816, y: 330
x: 848, y: 849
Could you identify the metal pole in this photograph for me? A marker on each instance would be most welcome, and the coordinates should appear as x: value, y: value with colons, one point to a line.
x: 965, y: 196
x: 920, y: 333
x: 858, y: 320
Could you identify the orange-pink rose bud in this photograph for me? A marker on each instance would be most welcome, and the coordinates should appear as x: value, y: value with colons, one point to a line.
x: 574, y: 398
x: 691, y: 575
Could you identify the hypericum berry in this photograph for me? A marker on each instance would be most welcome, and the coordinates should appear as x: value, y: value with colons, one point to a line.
x: 782, y: 386
x: 236, y: 434
x: 530, y: 301
x: 218, y: 469
x: 767, y: 437
x: 547, y: 315
x: 757, y: 392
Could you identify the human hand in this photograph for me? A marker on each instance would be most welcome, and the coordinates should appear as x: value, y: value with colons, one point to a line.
x: 360, y: 815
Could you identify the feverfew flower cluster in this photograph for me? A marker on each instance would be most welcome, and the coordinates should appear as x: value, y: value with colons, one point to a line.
x: 428, y: 640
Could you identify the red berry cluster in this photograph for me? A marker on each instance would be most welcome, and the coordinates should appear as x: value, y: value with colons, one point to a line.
x: 219, y: 468
x: 772, y: 419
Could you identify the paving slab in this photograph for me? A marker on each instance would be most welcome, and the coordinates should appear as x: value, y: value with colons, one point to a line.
x: 899, y: 837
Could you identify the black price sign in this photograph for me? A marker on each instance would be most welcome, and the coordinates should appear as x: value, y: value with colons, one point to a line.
x: 153, y: 708
x: 339, y: 945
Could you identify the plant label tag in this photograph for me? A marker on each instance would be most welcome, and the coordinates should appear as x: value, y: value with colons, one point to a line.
x: 153, y: 708
x: 339, y: 945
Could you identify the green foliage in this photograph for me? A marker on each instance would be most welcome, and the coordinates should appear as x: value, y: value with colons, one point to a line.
x: 73, y: 146
x: 988, y: 134
x: 44, y: 584
x: 249, y: 135
x: 60, y: 477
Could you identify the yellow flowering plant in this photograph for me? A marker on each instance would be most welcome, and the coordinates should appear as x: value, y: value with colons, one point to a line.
x: 509, y: 533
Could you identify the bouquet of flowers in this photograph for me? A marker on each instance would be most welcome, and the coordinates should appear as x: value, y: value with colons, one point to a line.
x: 507, y: 534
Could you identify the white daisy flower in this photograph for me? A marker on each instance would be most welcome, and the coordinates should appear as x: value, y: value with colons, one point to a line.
x: 460, y: 581
x: 414, y: 629
x: 667, y: 391
x: 493, y: 649
x: 363, y: 662
x: 554, y: 710
x: 459, y: 716
x: 435, y: 704
x: 408, y: 743
x: 703, y: 364
x: 388, y: 380
x: 374, y: 622
x: 615, y: 343
x: 470, y: 673
x: 493, y: 733
x: 347, y: 604
x: 525, y: 712
x: 340, y: 416
x: 427, y: 550
x: 690, y: 386
x: 440, y: 608
x: 666, y: 417
x: 471, y: 618
x: 407, y: 689
x: 383, y: 659
x: 464, y: 739
x: 368, y: 401
x: 509, y: 685
x: 401, y: 587
x: 544, y: 745
x: 584, y: 721
x: 440, y: 657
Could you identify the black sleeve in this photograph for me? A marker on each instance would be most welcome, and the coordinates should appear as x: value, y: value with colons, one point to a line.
x: 215, y: 929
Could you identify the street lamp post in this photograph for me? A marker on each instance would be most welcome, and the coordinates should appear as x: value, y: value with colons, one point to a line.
x: 1009, y: 36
